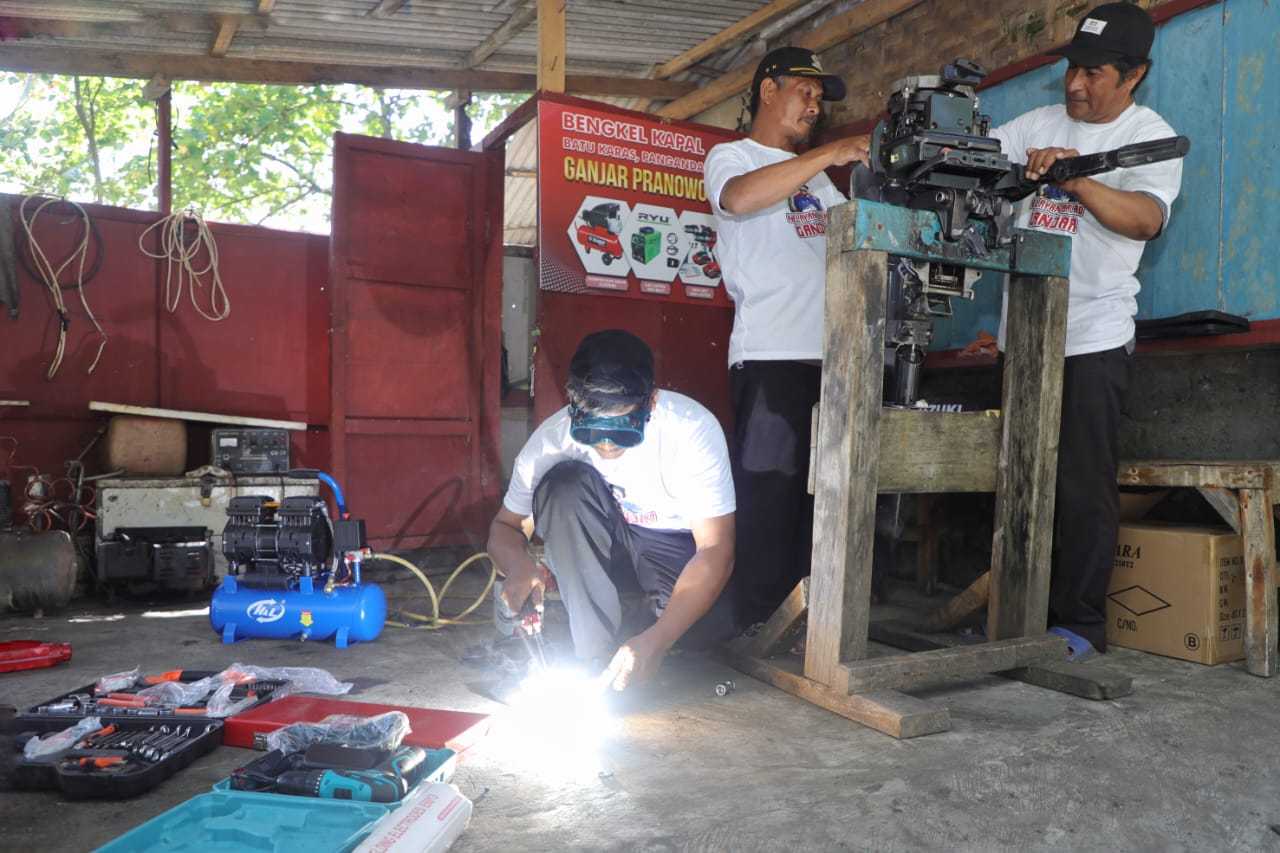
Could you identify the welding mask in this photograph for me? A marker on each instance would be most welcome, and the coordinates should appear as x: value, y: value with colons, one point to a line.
x: 622, y: 430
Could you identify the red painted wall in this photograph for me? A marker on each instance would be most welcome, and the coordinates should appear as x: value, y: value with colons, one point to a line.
x: 269, y: 358
x: 689, y: 342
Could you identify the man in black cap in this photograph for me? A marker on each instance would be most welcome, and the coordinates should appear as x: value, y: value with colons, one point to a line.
x: 770, y: 204
x: 1109, y: 218
x: 626, y: 482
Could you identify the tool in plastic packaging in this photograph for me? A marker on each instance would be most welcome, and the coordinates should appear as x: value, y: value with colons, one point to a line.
x: 37, y: 748
x: 384, y: 731
x: 116, y: 682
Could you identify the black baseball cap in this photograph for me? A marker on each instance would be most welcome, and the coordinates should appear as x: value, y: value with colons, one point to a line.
x: 1111, y: 31
x: 611, y: 368
x: 798, y: 62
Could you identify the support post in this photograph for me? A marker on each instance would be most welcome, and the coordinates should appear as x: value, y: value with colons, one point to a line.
x: 1258, y: 532
x: 164, y: 152
x: 848, y: 452
x: 551, y: 42
x: 1025, y: 483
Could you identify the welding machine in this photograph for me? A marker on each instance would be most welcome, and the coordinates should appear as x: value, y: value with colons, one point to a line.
x: 294, y: 572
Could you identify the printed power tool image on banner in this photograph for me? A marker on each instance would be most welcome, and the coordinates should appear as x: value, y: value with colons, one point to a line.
x: 622, y: 209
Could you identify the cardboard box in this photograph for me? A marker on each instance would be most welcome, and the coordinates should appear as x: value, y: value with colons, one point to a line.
x: 1178, y: 591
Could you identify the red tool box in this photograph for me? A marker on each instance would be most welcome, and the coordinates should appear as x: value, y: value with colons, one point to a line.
x: 431, y: 728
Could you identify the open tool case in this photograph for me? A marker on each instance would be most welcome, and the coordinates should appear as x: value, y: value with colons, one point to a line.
x: 236, y: 819
x: 66, y: 710
x: 121, y: 759
x: 139, y: 745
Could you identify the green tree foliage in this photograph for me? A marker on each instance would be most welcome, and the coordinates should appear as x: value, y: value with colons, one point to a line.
x: 86, y: 137
x: 241, y: 153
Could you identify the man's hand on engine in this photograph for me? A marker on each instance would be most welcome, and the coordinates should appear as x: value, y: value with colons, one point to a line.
x: 849, y: 149
x: 1040, y: 159
x: 636, y: 662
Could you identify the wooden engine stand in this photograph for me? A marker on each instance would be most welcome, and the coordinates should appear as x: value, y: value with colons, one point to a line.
x: 864, y: 449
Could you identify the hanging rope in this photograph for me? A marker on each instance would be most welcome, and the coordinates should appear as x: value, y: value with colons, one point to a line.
x: 46, y: 272
x: 181, y: 250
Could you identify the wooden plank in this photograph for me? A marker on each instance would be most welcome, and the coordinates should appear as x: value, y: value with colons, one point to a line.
x: 1021, y: 551
x: 892, y: 713
x: 848, y: 451
x: 726, y: 38
x: 840, y: 28
x: 227, y: 27
x: 110, y: 63
x: 183, y: 415
x: 927, y: 545
x: 1258, y: 532
x: 551, y: 45
x: 782, y: 627
x: 1244, y: 474
x: 509, y: 29
x: 1224, y: 501
x: 935, y: 452
x: 1093, y: 680
x: 963, y: 605
x: 897, y: 672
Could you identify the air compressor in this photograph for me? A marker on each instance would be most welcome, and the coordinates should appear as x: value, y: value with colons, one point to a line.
x: 293, y: 572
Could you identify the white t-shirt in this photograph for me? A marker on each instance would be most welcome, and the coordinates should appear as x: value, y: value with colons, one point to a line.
x: 677, y: 476
x: 774, y: 260
x: 1102, y: 298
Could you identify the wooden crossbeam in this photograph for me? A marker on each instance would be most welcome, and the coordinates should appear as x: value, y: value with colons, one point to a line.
x: 783, y: 626
x: 892, y: 713
x: 387, y: 8
x: 226, y: 32
x: 509, y: 29
x: 838, y: 29
x: 551, y: 45
x: 1092, y: 680
x: 104, y: 63
x: 728, y: 37
x: 927, y: 668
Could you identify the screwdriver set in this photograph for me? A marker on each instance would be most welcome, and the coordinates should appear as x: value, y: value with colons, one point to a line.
x: 121, y: 759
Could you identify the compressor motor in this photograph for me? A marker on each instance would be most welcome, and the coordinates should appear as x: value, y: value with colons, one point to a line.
x: 294, y: 572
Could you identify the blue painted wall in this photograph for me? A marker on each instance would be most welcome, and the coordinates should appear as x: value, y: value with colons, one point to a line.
x: 1216, y: 79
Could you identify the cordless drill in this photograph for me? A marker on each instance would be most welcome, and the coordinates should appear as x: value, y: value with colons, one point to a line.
x: 386, y: 783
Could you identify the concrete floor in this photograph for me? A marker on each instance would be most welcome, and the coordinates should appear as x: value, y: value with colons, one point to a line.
x: 1190, y: 761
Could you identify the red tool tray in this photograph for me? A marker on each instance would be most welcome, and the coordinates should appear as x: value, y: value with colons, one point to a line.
x: 32, y: 654
x: 432, y: 728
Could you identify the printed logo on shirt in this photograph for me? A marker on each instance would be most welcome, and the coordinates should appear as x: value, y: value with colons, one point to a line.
x: 805, y: 213
x: 635, y: 514
x: 1056, y: 211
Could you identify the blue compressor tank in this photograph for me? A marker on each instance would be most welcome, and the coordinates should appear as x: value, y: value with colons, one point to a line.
x: 349, y: 614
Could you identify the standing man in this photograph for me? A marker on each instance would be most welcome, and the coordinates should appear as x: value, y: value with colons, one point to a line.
x: 770, y: 204
x: 625, y: 482
x: 1109, y: 219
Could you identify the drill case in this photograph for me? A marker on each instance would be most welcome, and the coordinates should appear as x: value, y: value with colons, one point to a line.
x: 74, y: 774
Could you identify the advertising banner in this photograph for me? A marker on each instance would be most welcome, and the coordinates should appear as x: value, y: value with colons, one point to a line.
x: 622, y: 209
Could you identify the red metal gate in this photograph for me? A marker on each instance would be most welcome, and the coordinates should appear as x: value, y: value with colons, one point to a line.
x: 416, y: 275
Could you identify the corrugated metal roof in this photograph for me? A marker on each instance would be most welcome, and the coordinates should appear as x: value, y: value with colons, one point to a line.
x: 622, y: 38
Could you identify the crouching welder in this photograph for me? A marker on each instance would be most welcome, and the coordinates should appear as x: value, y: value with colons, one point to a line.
x: 626, y: 483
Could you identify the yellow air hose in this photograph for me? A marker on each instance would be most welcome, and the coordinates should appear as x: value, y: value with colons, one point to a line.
x: 435, y: 621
